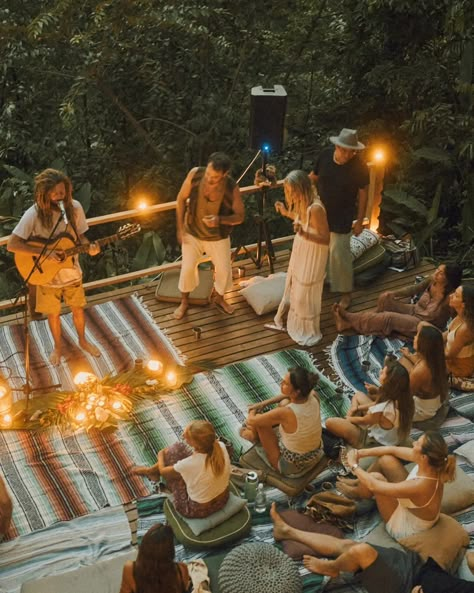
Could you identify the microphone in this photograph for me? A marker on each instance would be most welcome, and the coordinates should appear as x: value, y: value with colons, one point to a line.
x: 60, y: 203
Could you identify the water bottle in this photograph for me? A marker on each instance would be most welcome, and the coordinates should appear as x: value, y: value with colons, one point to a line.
x: 260, y: 500
x: 250, y: 488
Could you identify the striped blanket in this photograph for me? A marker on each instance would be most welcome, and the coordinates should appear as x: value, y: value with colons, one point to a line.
x: 123, y: 330
x: 348, y: 352
x: 70, y: 545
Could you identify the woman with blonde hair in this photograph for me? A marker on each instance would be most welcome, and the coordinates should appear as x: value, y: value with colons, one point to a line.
x: 409, y: 502
x: 197, y: 471
x: 300, y: 307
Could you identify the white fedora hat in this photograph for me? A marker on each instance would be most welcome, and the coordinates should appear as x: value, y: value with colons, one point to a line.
x: 347, y: 139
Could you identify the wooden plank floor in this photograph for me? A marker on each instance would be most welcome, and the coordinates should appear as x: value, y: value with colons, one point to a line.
x: 227, y: 339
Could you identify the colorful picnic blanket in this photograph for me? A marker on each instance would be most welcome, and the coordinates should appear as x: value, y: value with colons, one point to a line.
x: 56, y: 475
x: 358, y: 359
x: 123, y: 330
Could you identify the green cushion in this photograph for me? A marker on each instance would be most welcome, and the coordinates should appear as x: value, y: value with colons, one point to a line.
x: 371, y: 257
x: 232, y: 507
x: 290, y: 486
x: 231, y: 530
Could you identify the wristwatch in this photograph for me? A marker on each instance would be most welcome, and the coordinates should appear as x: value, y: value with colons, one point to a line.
x: 354, y: 467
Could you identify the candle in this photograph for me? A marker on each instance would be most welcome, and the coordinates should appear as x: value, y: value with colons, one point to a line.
x: 171, y: 378
x: 155, y: 366
x: 82, y: 378
x: 116, y: 405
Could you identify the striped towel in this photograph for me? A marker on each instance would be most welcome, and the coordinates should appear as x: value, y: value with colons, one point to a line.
x: 123, y: 330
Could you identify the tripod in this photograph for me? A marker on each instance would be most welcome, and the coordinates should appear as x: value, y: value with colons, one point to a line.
x: 27, y: 389
x: 263, y: 232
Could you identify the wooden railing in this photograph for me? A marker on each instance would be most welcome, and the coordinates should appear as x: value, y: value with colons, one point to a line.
x: 157, y: 209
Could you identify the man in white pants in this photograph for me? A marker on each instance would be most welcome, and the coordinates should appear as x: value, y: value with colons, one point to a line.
x: 209, y: 204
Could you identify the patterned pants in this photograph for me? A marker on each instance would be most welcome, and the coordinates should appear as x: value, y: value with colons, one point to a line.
x: 182, y: 503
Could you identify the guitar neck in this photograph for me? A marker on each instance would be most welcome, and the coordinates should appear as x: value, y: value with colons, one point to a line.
x: 84, y: 248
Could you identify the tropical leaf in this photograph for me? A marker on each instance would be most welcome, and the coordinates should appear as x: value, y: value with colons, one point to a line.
x: 433, y: 211
x: 404, y: 200
x: 436, y: 155
x: 18, y: 174
x: 83, y: 195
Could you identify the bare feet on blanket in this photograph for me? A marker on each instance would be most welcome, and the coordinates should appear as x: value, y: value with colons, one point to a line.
x: 281, y: 530
x: 148, y: 472
x: 248, y: 434
x: 55, y: 357
x: 346, y: 489
x: 320, y: 566
x: 345, y: 301
x: 341, y: 323
x: 180, y: 312
x: 90, y: 348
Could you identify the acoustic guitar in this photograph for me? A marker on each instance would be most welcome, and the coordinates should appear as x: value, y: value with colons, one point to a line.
x: 48, y: 268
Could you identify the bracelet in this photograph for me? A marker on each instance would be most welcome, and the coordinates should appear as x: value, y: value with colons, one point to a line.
x: 354, y: 467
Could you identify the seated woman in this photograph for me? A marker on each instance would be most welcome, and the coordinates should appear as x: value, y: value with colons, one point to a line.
x: 384, y: 417
x: 409, y: 503
x: 296, y: 443
x: 428, y: 374
x: 459, y: 337
x: 154, y: 570
x: 394, y: 316
x: 197, y: 473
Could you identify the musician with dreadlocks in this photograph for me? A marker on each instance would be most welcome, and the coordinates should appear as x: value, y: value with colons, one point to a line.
x: 53, y: 203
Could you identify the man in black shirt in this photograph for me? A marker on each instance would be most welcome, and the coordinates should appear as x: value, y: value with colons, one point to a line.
x: 342, y: 179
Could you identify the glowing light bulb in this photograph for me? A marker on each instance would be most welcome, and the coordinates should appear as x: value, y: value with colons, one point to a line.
x: 117, y: 405
x: 89, y: 407
x: 80, y: 416
x: 379, y: 155
x: 171, y: 378
x: 155, y: 366
x: 7, y: 419
x: 3, y: 390
x: 142, y: 205
x: 82, y: 378
x: 92, y: 397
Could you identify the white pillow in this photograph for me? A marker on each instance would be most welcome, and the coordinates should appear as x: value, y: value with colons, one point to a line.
x: 466, y: 451
x: 264, y: 294
x: 363, y: 242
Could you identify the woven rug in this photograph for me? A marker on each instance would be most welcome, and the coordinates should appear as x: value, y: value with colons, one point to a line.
x: 222, y: 396
x: 123, y: 330
x: 348, y: 352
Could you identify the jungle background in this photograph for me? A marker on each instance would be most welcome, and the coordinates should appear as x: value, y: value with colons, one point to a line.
x: 127, y: 95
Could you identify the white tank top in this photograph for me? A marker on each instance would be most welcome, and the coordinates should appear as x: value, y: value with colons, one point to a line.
x: 307, y: 436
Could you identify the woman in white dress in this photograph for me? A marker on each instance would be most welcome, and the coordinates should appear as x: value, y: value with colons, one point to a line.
x: 301, y: 302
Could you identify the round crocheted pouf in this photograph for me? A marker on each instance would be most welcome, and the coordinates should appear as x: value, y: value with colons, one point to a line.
x: 259, y: 568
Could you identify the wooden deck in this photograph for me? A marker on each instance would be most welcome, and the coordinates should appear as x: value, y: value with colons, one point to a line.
x: 227, y: 339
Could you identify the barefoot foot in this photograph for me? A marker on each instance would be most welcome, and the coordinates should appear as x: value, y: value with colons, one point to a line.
x: 320, y: 566
x: 280, y: 529
x: 341, y: 323
x: 222, y: 305
x: 345, y: 301
x: 90, y: 348
x: 248, y: 434
x: 180, y: 312
x: 55, y: 357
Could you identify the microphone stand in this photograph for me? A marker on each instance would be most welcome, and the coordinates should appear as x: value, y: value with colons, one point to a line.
x: 37, y: 261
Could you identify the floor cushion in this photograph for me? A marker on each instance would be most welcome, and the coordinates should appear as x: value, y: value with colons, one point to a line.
x: 374, y: 255
x: 290, y: 486
x: 259, y: 568
x: 103, y: 577
x: 264, y: 294
x: 458, y: 495
x: 231, y: 530
x: 362, y: 243
x: 167, y: 287
x: 231, y: 508
x: 297, y: 550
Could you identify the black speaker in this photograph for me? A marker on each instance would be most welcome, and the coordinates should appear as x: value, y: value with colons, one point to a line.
x: 267, y: 117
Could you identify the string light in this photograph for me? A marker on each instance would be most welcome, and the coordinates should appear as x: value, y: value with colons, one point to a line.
x: 171, y: 378
x: 155, y: 366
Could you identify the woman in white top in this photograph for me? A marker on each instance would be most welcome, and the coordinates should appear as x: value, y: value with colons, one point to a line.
x: 295, y: 444
x: 459, y: 337
x: 409, y: 503
x: 383, y: 416
x: 197, y: 471
x: 300, y: 307
x: 428, y: 374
